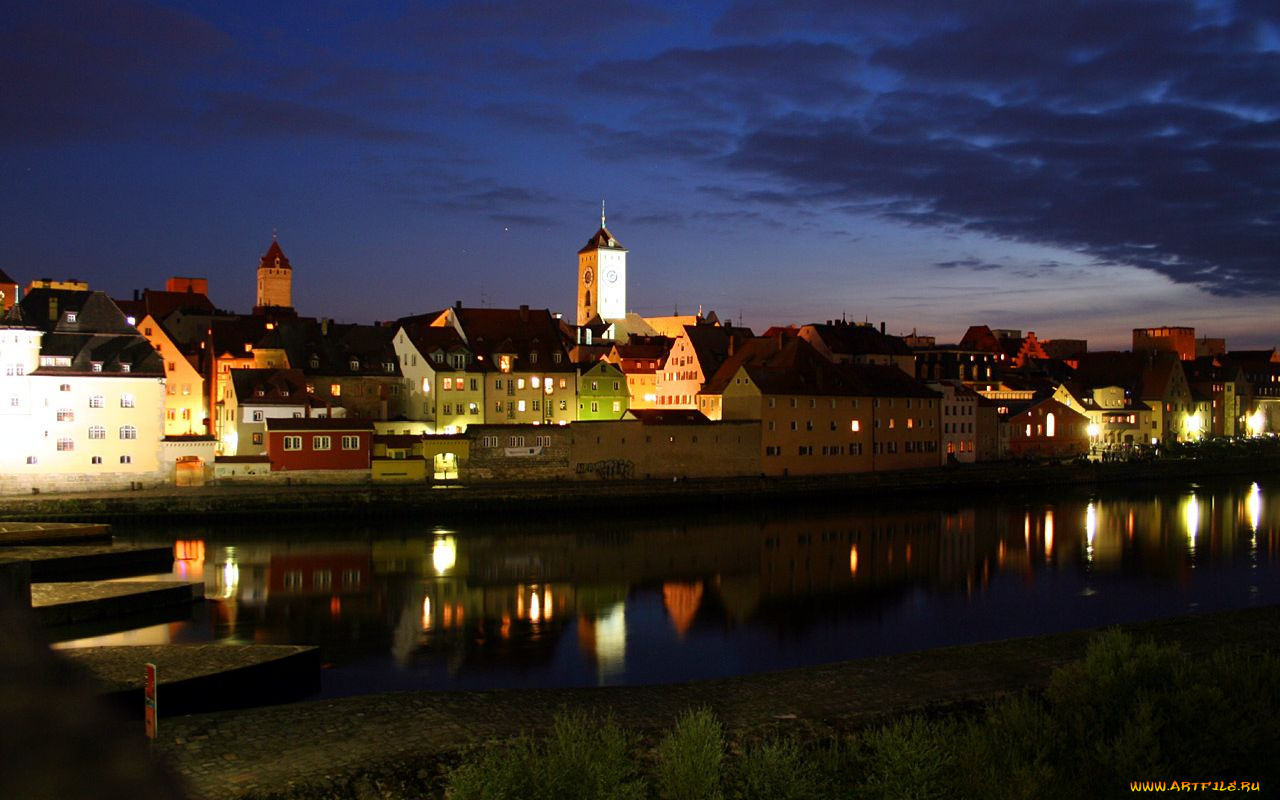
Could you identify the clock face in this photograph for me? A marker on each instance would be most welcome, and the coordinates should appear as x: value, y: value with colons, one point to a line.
x: 611, y: 276
x: 586, y: 276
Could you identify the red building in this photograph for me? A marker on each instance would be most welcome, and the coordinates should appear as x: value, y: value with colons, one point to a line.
x: 319, y: 443
x: 1047, y: 429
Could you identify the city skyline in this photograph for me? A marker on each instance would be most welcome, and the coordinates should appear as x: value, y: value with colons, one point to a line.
x: 1078, y: 170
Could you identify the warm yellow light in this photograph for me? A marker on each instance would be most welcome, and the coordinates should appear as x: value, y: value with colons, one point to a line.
x: 426, y: 613
x: 1256, y: 423
x: 546, y: 603
x: 535, y: 607
x: 1191, y: 517
x: 1094, y: 430
x: 1048, y: 535
x: 853, y: 560
x: 1194, y: 426
x: 444, y: 554
x: 1253, y: 506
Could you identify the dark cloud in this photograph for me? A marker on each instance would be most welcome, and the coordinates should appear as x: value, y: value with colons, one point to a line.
x: 1144, y: 133
x: 975, y: 264
x: 255, y: 116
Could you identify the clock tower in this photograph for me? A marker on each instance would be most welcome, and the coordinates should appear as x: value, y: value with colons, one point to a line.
x: 602, y: 277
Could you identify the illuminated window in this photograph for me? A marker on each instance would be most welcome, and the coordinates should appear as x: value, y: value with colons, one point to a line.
x: 1050, y: 425
x: 335, y: 389
x: 126, y: 400
x: 855, y: 426
x: 520, y: 405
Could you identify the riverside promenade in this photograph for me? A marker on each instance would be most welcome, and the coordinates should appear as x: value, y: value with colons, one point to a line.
x: 394, y: 745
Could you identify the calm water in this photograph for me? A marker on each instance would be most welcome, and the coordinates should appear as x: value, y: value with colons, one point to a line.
x: 655, y: 599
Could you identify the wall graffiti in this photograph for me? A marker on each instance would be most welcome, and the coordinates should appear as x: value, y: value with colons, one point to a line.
x: 608, y: 469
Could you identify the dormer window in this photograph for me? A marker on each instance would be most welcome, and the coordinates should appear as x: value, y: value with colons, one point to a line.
x: 555, y: 357
x: 390, y: 366
x: 125, y: 366
x: 70, y: 316
x: 504, y: 363
x: 259, y: 392
x: 315, y: 362
x: 533, y: 358
x: 95, y: 366
x: 355, y: 364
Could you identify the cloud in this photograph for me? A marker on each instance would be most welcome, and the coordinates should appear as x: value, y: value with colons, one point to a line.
x: 1144, y: 134
x: 974, y: 264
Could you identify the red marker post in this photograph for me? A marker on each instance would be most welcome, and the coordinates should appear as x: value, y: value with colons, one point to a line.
x: 149, y: 695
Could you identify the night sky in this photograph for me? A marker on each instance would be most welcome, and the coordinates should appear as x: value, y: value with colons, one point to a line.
x: 1077, y: 169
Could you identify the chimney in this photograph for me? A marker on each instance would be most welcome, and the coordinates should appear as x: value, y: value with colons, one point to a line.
x: 730, y: 346
x: 324, y: 326
x: 524, y: 313
x: 137, y: 295
x: 882, y: 327
x: 457, y: 304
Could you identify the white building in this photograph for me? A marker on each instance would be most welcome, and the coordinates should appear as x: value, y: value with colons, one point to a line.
x: 602, y: 279
x: 81, y: 396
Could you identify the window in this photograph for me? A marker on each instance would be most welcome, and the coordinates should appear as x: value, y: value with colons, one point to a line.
x: 520, y: 383
x: 515, y: 441
x: 66, y: 387
x: 293, y: 579
x: 1050, y: 424
x: 71, y: 316
x: 95, y: 366
x: 66, y: 415
x: 31, y: 459
x: 806, y: 449
x: 126, y: 400
x: 488, y: 441
x: 335, y: 389
x: 293, y: 443
x: 855, y: 426
x: 96, y: 401
x: 773, y: 450
x: 128, y: 432
x: 65, y: 444
x: 446, y: 385
x: 617, y: 405
x: 595, y: 406
x: 126, y: 459
x: 257, y: 416
x: 350, y: 442
x: 95, y: 460
x: 97, y: 432
x: 564, y: 405
x: 322, y: 579
x: 520, y: 406
x: 321, y: 442
x: 257, y: 438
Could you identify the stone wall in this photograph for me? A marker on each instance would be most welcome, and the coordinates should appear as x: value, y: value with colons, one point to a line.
x: 84, y: 482
x: 293, y: 477
x: 628, y: 449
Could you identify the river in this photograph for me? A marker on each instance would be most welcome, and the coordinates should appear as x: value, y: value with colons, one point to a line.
x: 639, y: 596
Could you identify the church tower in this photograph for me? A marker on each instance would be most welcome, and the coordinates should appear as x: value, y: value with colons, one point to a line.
x: 275, y: 279
x: 602, y: 277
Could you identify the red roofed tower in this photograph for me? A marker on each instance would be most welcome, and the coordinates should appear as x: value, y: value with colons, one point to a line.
x: 275, y: 280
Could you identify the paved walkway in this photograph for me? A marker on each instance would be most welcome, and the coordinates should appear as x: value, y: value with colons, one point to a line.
x: 319, y: 745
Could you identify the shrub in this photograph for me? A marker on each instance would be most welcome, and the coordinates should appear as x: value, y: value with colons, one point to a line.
x: 690, y: 758
x: 780, y: 769
x: 913, y: 758
x: 581, y: 758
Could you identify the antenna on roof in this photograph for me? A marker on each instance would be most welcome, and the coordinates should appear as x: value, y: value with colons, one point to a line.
x: 274, y: 234
x: 601, y: 213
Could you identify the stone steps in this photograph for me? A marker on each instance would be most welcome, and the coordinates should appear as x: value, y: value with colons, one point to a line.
x: 86, y: 601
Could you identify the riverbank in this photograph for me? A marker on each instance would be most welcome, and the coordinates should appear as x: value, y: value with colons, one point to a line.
x: 344, y: 748
x: 444, y: 501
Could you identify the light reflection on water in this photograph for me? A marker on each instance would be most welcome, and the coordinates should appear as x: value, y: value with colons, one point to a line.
x: 598, y: 601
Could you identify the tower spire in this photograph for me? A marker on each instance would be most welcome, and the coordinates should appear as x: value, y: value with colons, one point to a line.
x: 601, y: 213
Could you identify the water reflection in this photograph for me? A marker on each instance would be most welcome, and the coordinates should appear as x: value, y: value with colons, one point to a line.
x: 667, y: 600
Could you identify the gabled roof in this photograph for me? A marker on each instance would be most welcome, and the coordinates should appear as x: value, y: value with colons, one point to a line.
x: 4, y: 278
x: 602, y: 240
x: 318, y: 424
x: 517, y: 332
x: 841, y: 338
x: 321, y: 347
x: 791, y: 366
x: 274, y: 258
x: 1146, y: 375
x: 94, y: 333
x: 255, y: 387
x: 667, y: 416
x: 161, y: 304
x: 712, y: 344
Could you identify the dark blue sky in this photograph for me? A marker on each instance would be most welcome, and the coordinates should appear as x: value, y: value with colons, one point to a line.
x: 1077, y: 169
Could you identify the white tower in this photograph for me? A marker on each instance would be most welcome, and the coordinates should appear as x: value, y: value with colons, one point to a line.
x: 602, y: 277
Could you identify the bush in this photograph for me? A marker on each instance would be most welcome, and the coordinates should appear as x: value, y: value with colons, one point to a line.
x: 913, y: 758
x: 690, y: 757
x: 780, y: 769
x: 1009, y: 752
x: 581, y: 758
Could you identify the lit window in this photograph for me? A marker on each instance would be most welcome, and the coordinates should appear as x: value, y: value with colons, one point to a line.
x: 1050, y: 425
x: 855, y: 426
x: 126, y: 400
x: 96, y: 401
x: 335, y: 389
